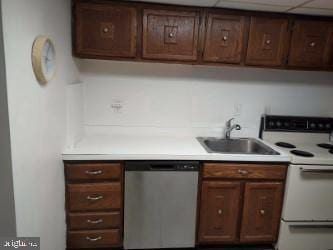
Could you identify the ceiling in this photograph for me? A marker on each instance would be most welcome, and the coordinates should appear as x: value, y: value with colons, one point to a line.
x: 311, y: 7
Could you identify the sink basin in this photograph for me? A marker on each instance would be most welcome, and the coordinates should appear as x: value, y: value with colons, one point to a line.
x: 236, y: 146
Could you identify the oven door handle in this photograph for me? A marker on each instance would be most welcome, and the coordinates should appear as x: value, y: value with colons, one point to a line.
x: 311, y: 226
x: 316, y: 171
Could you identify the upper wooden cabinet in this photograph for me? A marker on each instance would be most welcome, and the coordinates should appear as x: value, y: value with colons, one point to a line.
x: 170, y: 35
x: 224, y: 40
x: 267, y: 41
x: 309, y: 44
x: 195, y: 35
x: 105, y: 30
x: 261, y: 212
x: 219, y: 211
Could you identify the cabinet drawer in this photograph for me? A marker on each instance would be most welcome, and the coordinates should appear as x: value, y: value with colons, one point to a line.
x: 93, y: 171
x: 79, y: 221
x: 108, y: 30
x: 91, y: 197
x: 94, y: 238
x: 170, y: 35
x: 244, y: 171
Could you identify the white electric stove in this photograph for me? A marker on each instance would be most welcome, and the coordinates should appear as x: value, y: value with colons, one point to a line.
x: 307, y: 216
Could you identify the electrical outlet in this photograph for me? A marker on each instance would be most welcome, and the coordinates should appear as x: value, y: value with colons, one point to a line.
x: 117, y: 106
x: 268, y: 110
x: 238, y: 109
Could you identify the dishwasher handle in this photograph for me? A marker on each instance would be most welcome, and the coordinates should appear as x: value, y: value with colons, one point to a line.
x: 162, y: 166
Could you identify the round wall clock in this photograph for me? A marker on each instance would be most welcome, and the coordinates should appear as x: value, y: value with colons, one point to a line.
x: 43, y: 59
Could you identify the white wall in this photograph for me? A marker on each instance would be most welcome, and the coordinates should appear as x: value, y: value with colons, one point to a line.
x: 38, y: 116
x: 7, y: 206
x: 195, y: 99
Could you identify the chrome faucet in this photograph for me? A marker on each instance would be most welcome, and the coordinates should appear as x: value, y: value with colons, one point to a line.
x: 229, y: 128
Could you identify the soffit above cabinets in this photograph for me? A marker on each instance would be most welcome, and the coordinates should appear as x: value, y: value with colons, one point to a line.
x: 309, y: 7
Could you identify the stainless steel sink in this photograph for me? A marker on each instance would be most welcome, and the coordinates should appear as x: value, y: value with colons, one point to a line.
x: 236, y: 146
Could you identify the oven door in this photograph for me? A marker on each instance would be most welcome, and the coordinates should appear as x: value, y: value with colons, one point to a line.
x: 309, y: 193
x: 305, y: 236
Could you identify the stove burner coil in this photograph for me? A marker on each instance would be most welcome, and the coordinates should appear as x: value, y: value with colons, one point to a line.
x: 285, y: 145
x: 301, y: 153
x: 325, y: 145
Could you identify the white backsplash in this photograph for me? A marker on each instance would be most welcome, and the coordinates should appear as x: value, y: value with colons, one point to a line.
x: 129, y: 97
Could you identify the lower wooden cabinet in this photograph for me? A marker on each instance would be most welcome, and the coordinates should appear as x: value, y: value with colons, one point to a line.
x: 238, y: 209
x: 94, y: 204
x: 261, y: 212
x: 220, y: 204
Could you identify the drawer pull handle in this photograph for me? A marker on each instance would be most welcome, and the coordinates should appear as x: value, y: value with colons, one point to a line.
x: 262, y: 212
x: 95, y: 221
x: 219, y: 211
x: 225, y: 38
x: 268, y: 42
x: 97, y: 172
x: 94, y: 198
x: 94, y: 239
x: 105, y: 30
x: 243, y: 172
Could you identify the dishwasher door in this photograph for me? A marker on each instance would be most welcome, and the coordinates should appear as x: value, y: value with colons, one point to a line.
x: 160, y: 204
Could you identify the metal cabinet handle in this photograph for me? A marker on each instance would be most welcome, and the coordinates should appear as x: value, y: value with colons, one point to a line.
x: 105, y: 30
x: 219, y: 211
x: 95, y: 221
x: 93, y: 239
x: 313, y: 44
x: 97, y: 172
x: 171, y: 35
x: 225, y: 38
x: 243, y: 172
x: 268, y: 42
x: 262, y: 212
x: 94, y: 198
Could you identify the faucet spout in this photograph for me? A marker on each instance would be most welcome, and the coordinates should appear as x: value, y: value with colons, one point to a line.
x: 229, y: 128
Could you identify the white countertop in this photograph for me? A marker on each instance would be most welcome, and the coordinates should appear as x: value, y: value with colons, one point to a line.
x: 120, y: 147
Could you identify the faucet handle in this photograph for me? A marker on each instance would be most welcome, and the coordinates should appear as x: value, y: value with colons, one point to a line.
x: 228, y: 123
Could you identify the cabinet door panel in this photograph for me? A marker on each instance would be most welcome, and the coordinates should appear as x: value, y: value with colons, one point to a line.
x: 224, y: 38
x: 170, y: 35
x: 219, y: 212
x: 308, y: 44
x: 105, y: 30
x: 261, y: 212
x: 267, y: 41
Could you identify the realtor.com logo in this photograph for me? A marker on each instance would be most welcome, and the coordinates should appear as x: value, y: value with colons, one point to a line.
x: 26, y: 243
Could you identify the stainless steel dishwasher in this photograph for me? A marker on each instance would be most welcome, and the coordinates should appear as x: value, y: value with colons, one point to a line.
x: 160, y: 204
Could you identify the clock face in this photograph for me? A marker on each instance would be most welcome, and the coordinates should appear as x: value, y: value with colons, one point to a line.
x: 43, y: 59
x: 48, y: 60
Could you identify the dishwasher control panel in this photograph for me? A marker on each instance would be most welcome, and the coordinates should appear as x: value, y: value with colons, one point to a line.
x: 162, y: 166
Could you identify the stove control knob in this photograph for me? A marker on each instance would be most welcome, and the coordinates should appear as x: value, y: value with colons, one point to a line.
x: 271, y: 124
x: 321, y: 125
x: 286, y: 124
x: 328, y: 126
x: 278, y: 124
x: 312, y: 125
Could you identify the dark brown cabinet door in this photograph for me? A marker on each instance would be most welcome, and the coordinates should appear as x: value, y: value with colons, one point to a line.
x: 329, y: 49
x: 170, y: 35
x: 267, y: 41
x: 261, y: 212
x: 224, y: 38
x: 105, y: 30
x: 219, y: 212
x: 308, y: 44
